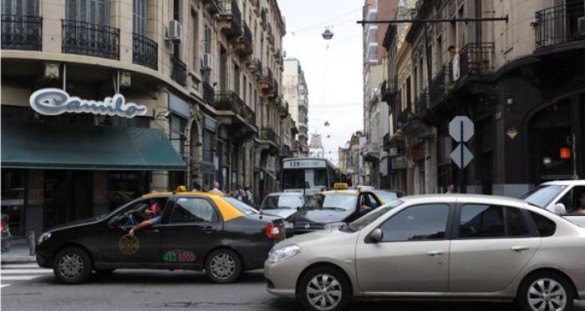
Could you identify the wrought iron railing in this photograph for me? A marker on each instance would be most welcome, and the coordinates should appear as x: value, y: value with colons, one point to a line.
x: 438, y: 89
x: 144, y: 51
x: 22, y: 32
x: 230, y: 101
x: 405, y: 115
x: 230, y: 8
x: 90, y: 39
x: 247, y: 36
x: 208, y: 93
x: 477, y: 58
x: 269, y: 134
x: 179, y: 71
x: 560, y: 24
x: 214, y: 6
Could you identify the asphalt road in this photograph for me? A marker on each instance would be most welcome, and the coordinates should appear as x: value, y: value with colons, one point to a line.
x: 172, y: 290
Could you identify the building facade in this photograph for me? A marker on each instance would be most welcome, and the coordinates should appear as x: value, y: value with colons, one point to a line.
x: 156, y: 93
x: 375, y: 71
x: 296, y: 94
x: 519, y: 80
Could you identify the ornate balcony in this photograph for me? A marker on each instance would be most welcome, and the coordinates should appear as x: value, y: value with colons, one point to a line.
x: 244, y: 46
x: 90, y: 39
x: 230, y: 101
x: 477, y: 58
x: 560, y: 24
x: 269, y: 134
x: 22, y: 32
x: 179, y: 71
x: 267, y: 80
x: 208, y: 93
x: 213, y: 6
x: 230, y: 18
x: 144, y: 51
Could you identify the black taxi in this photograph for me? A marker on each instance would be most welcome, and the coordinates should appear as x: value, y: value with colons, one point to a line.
x: 196, y: 231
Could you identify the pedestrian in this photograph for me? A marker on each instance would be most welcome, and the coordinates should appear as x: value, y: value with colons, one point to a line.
x: 249, y: 195
x: 216, y: 188
x: 451, y: 188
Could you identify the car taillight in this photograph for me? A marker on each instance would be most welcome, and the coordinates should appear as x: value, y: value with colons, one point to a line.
x: 2, y: 225
x: 272, y: 231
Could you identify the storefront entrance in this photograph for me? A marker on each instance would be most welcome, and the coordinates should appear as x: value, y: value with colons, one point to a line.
x: 68, y: 197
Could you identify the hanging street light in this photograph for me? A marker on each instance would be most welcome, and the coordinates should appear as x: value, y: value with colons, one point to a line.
x: 327, y: 34
x: 326, y: 124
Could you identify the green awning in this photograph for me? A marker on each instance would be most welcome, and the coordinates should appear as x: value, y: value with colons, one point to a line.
x: 37, y: 145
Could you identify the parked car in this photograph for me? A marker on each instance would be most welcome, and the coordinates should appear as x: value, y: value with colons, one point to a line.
x: 331, y: 208
x: 198, y: 231
x: 560, y: 197
x: 282, y: 204
x: 455, y: 247
x: 388, y: 195
x: 6, y: 236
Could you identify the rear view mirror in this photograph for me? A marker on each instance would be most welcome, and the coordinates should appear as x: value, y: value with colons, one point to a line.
x: 377, y: 235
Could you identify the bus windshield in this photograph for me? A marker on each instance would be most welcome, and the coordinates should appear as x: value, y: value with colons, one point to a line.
x: 305, y: 178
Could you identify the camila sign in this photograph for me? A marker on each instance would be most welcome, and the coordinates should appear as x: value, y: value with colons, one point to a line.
x: 52, y: 102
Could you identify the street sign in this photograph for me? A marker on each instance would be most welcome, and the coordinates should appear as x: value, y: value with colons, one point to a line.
x: 461, y: 123
x: 461, y: 158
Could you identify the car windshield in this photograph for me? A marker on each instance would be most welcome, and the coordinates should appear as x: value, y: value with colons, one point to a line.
x: 282, y: 202
x: 334, y: 201
x: 541, y: 196
x: 367, y: 219
x: 241, y: 206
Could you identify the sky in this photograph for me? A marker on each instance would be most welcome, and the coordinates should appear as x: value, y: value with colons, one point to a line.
x: 333, y: 68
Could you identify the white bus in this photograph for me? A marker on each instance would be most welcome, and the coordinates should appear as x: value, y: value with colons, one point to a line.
x: 309, y: 175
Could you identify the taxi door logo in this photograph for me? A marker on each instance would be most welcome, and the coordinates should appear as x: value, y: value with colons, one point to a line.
x: 129, y: 244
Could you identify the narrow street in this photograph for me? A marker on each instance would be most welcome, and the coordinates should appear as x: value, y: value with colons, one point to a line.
x: 25, y: 287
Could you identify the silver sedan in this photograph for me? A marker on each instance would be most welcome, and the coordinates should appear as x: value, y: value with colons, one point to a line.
x: 437, y: 247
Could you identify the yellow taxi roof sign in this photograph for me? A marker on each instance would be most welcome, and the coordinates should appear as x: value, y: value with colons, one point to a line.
x: 181, y: 189
x: 340, y: 185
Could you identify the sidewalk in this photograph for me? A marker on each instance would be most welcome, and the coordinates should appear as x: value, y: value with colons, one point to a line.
x: 19, y: 253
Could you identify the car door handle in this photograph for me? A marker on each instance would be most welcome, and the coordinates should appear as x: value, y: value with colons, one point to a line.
x: 208, y: 230
x: 519, y: 249
x: 435, y: 253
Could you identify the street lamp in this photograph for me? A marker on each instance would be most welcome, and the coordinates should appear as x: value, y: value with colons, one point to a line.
x: 327, y: 34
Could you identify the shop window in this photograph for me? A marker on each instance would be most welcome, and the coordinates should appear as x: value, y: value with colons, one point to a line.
x: 124, y: 187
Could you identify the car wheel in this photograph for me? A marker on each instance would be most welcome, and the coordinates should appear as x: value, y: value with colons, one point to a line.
x: 545, y: 291
x: 72, y: 265
x: 324, y: 289
x: 223, y: 266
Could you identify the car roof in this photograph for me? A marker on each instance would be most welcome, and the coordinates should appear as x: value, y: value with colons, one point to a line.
x: 296, y: 194
x: 462, y: 198
x: 168, y: 193
x: 344, y: 191
x: 578, y: 182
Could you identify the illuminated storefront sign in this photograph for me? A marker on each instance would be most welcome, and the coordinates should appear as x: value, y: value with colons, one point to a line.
x: 52, y: 102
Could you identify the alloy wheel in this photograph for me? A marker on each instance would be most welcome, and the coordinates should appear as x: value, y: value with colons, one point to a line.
x: 324, y: 292
x: 71, y: 265
x: 546, y: 295
x: 223, y: 266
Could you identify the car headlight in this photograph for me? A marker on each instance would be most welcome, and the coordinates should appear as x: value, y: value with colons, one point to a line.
x: 334, y: 226
x: 45, y: 236
x: 280, y: 254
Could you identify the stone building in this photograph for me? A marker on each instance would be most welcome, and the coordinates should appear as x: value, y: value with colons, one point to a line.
x: 519, y: 79
x: 157, y: 94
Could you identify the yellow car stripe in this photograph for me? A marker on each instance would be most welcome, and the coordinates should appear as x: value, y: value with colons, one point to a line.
x: 228, y: 211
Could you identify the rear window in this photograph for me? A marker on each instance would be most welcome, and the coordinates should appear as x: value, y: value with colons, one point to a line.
x: 241, y: 206
x: 541, y: 196
x: 545, y: 226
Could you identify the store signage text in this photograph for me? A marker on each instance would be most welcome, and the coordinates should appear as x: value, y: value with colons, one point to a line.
x: 52, y: 102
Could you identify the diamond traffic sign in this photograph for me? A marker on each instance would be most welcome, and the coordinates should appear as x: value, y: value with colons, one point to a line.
x: 457, y: 124
x: 456, y: 156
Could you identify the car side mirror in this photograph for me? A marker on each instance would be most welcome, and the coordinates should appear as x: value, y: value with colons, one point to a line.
x: 377, y: 235
x: 559, y: 209
x: 114, y: 222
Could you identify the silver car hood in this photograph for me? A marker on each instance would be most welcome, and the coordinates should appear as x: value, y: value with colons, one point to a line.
x: 318, y: 237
